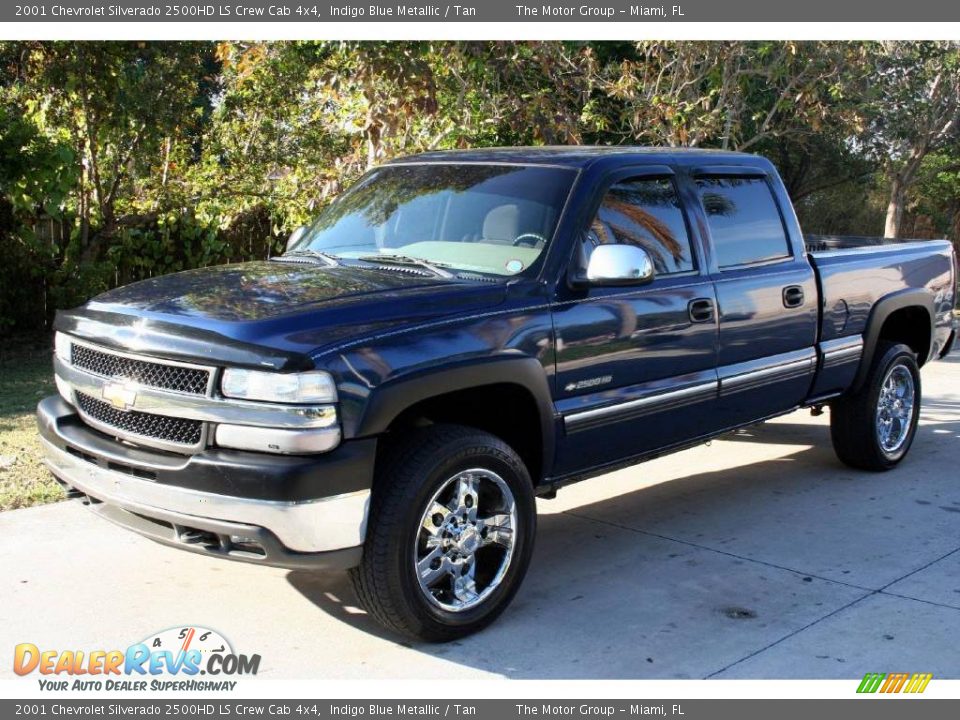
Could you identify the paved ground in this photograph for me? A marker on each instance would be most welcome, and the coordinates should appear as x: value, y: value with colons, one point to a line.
x: 762, y: 557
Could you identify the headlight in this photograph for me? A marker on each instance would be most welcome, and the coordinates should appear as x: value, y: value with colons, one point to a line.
x: 61, y: 346
x: 307, y: 387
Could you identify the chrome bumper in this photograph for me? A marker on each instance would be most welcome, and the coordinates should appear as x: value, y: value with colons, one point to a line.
x: 316, y: 526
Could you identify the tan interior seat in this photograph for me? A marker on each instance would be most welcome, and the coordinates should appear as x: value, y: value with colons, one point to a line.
x: 502, y: 224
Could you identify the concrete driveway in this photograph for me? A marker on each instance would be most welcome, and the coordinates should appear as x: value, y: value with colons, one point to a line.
x: 759, y: 556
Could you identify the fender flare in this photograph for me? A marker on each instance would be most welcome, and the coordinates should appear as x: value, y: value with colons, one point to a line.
x: 389, y: 400
x: 883, y: 309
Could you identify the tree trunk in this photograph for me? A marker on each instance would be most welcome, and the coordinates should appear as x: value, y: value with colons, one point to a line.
x: 103, y: 237
x: 898, y: 198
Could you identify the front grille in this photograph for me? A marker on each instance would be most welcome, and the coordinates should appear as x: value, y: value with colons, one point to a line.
x: 158, y: 427
x: 192, y: 381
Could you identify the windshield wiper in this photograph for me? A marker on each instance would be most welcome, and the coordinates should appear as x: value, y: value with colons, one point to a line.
x: 329, y: 259
x: 398, y: 259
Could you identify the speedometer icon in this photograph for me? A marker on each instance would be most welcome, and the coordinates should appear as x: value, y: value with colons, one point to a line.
x: 182, y: 639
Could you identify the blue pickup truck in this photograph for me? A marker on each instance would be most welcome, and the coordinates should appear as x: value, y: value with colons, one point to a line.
x: 462, y: 332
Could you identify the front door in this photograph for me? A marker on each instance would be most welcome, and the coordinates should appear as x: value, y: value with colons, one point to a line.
x: 636, y: 366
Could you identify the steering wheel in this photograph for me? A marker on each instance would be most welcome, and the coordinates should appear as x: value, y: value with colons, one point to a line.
x: 530, y: 239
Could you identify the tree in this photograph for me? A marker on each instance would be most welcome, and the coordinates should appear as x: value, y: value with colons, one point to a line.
x: 165, y: 156
x: 123, y: 105
x: 912, y: 109
x: 935, y: 196
x: 733, y: 95
x: 296, y: 122
x: 36, y: 176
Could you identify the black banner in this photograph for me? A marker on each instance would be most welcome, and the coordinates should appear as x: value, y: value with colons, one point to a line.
x: 874, y: 708
x: 615, y: 11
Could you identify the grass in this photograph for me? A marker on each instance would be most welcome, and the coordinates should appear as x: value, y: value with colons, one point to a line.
x: 26, y: 376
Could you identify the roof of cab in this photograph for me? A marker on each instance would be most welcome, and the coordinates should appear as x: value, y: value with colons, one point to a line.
x: 579, y: 156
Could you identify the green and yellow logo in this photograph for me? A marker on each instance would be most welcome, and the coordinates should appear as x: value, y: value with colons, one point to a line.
x: 894, y: 682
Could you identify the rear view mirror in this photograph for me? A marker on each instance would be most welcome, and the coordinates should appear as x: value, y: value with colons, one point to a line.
x: 619, y: 265
x: 295, y: 237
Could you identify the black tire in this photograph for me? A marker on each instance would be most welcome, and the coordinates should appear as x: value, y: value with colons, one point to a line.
x: 853, y: 419
x: 408, y: 476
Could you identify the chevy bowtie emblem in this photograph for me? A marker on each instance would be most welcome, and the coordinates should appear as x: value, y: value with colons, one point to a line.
x: 121, y: 396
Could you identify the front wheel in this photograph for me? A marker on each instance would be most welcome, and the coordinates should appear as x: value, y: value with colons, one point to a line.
x: 873, y: 428
x: 449, y: 536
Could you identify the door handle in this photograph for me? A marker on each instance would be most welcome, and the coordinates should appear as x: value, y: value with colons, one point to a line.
x: 700, y: 310
x: 792, y: 296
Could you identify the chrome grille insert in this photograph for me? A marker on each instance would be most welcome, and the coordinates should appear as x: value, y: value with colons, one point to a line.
x: 176, y: 378
x: 178, y: 431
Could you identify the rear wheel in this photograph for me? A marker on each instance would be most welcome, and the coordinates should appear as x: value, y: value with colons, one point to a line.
x: 450, y: 534
x: 873, y: 428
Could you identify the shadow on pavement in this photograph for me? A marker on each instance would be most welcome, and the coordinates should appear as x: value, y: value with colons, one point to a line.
x: 659, y: 582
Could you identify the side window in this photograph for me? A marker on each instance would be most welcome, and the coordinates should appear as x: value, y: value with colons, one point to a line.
x: 644, y: 212
x: 744, y: 220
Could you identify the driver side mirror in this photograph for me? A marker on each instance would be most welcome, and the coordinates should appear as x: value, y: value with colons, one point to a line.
x: 295, y: 236
x: 618, y: 264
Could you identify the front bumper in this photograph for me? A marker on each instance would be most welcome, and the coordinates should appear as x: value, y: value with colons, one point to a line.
x: 166, y: 497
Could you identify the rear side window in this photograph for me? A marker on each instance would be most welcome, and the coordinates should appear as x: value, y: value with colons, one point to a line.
x: 744, y: 220
x: 643, y: 212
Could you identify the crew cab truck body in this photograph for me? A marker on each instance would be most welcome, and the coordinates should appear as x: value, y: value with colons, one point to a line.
x: 463, y: 331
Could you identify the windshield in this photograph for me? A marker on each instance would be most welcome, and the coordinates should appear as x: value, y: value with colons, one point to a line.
x: 493, y: 219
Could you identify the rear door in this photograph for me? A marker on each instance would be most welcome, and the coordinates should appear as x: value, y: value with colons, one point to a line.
x: 636, y: 365
x: 766, y: 294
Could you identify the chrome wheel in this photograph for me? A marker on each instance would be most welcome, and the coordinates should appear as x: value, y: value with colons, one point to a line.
x: 894, y: 414
x: 465, y: 540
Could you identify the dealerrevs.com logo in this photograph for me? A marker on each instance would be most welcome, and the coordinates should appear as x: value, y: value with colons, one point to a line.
x: 173, y: 659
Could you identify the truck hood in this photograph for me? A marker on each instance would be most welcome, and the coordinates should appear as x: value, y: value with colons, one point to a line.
x: 288, y: 308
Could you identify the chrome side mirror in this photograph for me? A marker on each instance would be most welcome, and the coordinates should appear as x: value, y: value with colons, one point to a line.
x: 295, y: 236
x: 619, y: 265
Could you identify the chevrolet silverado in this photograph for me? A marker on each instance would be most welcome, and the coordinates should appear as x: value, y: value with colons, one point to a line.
x: 462, y: 332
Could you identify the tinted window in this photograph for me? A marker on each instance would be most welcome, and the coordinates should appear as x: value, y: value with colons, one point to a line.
x: 645, y: 213
x: 744, y: 221
x: 495, y: 219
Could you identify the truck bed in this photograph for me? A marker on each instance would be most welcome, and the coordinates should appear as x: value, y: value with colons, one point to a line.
x: 857, y: 273
x: 822, y: 243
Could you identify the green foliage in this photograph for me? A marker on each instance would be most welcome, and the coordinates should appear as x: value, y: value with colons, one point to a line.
x: 120, y: 161
x: 37, y: 174
x: 935, y: 202
x: 911, y: 108
x: 733, y: 95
